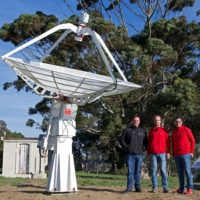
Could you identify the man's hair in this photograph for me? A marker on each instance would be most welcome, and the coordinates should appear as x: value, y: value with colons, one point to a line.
x: 136, y: 116
x: 178, y: 117
x: 157, y: 116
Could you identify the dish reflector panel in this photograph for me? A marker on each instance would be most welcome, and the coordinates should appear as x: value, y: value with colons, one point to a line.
x: 48, y: 78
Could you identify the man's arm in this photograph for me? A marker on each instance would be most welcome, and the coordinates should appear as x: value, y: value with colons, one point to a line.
x: 145, y: 141
x: 168, y: 144
x: 123, y: 140
x: 191, y: 140
x: 149, y: 139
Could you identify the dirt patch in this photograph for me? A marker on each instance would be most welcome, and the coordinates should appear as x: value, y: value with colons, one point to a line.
x: 34, y: 190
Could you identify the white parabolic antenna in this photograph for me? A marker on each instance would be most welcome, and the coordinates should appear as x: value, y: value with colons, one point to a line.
x: 80, y: 86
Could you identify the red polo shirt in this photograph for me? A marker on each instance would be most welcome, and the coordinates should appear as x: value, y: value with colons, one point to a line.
x: 183, y: 141
x: 158, y: 141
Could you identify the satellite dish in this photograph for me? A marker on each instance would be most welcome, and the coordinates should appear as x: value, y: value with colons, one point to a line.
x: 80, y: 87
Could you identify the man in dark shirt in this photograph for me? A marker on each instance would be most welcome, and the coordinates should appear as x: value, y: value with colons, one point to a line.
x: 134, y: 143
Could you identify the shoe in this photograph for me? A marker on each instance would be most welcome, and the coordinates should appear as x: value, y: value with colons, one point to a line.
x: 179, y: 191
x: 126, y: 191
x: 155, y: 190
x: 138, y: 190
x: 165, y: 190
x: 188, y: 191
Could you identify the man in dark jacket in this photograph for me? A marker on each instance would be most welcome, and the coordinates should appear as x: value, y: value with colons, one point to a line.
x: 134, y: 143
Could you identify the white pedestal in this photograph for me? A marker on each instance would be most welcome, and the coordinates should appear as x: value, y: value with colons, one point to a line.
x: 62, y: 177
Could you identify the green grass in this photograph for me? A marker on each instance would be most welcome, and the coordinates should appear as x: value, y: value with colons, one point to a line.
x: 100, y: 179
x: 13, y: 181
x: 115, y: 180
x: 93, y: 179
x: 173, y: 182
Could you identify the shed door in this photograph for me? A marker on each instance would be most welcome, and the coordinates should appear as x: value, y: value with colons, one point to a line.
x: 24, y: 159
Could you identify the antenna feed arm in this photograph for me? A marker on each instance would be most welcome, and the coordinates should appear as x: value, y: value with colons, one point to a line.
x: 42, y: 145
x: 83, y: 20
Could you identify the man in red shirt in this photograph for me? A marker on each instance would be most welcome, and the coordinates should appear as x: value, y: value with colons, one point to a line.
x: 158, y: 148
x: 183, y: 149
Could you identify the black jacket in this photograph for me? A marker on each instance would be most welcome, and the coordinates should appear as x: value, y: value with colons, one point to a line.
x: 134, y: 140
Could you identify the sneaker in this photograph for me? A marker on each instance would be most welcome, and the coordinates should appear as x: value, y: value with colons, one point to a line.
x: 127, y: 191
x: 165, y: 190
x: 179, y: 191
x: 155, y: 190
x: 188, y: 191
x: 138, y: 190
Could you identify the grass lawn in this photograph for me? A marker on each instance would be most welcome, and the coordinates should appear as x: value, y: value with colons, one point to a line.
x: 13, y: 181
x: 115, y: 180
x: 93, y: 179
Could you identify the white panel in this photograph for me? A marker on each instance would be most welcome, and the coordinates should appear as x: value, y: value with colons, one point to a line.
x: 69, y: 82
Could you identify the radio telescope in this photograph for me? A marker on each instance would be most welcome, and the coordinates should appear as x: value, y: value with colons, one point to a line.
x: 72, y: 88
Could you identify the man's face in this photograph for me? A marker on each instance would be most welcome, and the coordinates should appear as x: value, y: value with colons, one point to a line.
x: 157, y: 121
x: 136, y: 121
x: 178, y: 122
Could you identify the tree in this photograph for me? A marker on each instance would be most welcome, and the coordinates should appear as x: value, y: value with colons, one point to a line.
x: 146, y: 11
x: 180, y: 99
x: 163, y: 57
x: 3, y: 126
x: 6, y: 133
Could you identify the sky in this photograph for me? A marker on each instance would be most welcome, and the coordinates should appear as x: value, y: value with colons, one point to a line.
x: 14, y: 106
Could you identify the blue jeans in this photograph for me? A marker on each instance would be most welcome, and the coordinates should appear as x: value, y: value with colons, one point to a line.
x: 158, y: 159
x: 183, y: 164
x: 134, y: 170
